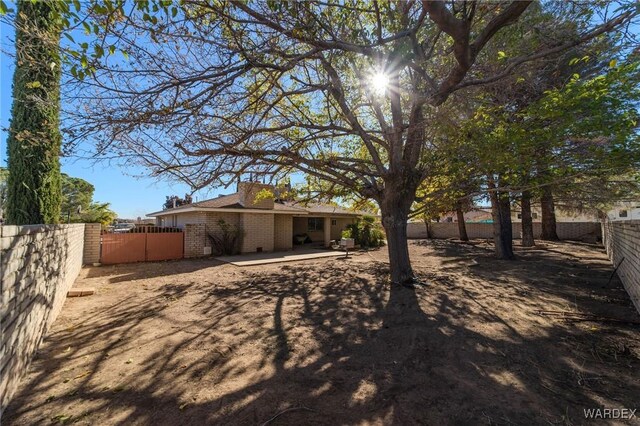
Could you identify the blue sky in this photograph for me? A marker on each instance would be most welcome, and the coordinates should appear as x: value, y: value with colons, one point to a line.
x: 130, y: 196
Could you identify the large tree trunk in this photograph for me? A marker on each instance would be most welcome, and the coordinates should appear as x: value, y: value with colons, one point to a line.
x: 462, y: 228
x: 549, y: 232
x: 395, y: 213
x: 502, y: 232
x: 395, y: 228
x: 527, y: 220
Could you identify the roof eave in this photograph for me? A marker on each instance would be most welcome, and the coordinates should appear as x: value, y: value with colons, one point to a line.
x: 169, y: 212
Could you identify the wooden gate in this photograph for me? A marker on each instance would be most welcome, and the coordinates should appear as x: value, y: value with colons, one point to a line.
x: 142, y: 245
x: 164, y: 246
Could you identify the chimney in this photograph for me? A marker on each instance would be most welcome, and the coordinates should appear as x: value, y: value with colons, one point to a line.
x: 248, y: 191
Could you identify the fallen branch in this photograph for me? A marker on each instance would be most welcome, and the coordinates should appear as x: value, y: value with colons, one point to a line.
x: 614, y: 273
x: 286, y: 411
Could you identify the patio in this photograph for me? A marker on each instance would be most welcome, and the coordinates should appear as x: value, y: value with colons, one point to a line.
x: 299, y: 253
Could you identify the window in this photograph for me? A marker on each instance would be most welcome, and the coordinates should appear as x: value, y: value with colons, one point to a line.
x: 315, y: 224
x: 534, y: 215
x: 519, y: 215
x: 622, y: 213
x: 334, y: 222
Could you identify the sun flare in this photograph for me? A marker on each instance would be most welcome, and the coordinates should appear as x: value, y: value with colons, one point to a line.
x: 380, y: 82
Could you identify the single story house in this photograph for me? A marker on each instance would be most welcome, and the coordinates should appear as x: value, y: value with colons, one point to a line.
x: 268, y: 225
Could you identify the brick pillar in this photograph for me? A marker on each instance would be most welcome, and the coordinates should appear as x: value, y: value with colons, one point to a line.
x: 91, y: 253
x: 195, y: 239
x: 327, y: 231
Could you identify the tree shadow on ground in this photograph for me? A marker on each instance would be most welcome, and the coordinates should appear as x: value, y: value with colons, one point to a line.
x: 144, y: 270
x: 334, y: 343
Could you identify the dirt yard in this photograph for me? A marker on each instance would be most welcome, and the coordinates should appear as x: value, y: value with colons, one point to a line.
x: 327, y: 342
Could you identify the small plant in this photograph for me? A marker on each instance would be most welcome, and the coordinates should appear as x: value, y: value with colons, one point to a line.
x: 365, y: 232
x: 228, y: 240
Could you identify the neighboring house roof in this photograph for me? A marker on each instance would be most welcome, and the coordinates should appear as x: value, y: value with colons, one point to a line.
x: 231, y: 202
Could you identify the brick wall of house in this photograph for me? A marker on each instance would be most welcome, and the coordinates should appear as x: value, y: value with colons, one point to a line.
x: 198, y: 226
x: 581, y: 231
x: 91, y: 252
x: 283, y: 232
x: 212, y: 223
x: 622, y: 241
x: 340, y: 225
x: 258, y: 232
x: 39, y: 264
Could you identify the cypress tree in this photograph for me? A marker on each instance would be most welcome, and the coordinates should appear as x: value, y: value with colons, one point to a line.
x: 33, y: 145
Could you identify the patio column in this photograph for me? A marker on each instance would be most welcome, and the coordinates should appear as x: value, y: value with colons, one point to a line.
x: 327, y: 231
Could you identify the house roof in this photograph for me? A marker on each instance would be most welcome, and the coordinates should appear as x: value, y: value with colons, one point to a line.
x: 324, y: 209
x: 231, y: 202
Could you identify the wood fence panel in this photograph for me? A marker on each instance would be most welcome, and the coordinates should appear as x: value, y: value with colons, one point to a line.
x: 122, y: 248
x: 165, y: 246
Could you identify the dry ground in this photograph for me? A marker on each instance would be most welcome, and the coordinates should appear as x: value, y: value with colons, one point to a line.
x: 197, y: 342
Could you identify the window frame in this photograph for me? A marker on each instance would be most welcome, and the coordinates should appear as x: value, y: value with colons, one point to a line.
x: 318, y: 224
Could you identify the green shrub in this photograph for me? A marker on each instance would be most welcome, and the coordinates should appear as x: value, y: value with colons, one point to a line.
x: 366, y: 232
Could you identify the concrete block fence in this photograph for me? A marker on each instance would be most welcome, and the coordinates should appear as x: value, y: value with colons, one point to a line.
x: 38, y: 265
x: 622, y: 242
x: 580, y: 231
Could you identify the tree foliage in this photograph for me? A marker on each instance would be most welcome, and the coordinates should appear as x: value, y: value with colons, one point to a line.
x: 175, y: 201
x: 33, y: 145
x: 365, y: 232
x: 78, y: 205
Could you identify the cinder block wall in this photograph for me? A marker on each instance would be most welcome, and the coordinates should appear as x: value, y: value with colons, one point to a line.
x: 91, y: 252
x: 622, y: 241
x: 39, y: 263
x: 583, y: 231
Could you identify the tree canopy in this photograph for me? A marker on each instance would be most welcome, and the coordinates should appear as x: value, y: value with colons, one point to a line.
x: 347, y: 93
x: 78, y: 205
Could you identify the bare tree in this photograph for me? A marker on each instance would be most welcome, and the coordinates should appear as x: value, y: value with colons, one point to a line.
x: 342, y: 92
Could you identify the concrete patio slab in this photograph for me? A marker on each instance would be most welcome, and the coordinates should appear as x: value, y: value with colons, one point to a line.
x: 254, y: 259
